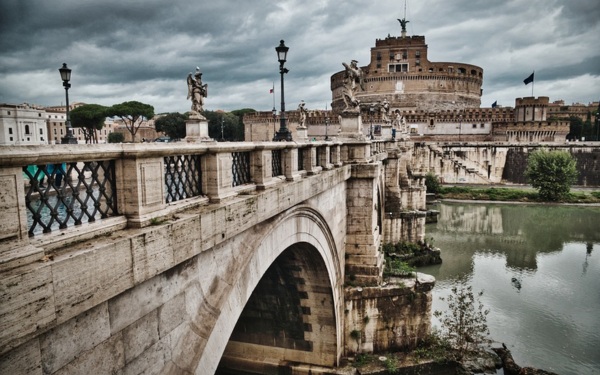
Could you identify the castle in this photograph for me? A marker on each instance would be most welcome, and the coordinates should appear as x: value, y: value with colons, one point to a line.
x: 438, y: 101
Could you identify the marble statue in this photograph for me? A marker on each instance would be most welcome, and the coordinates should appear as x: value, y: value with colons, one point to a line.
x: 302, y: 110
x: 384, y: 109
x: 197, y: 91
x: 353, y: 79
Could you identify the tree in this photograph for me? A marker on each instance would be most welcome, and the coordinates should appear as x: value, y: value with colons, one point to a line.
x: 90, y: 118
x: 432, y: 183
x: 551, y: 172
x: 172, y: 124
x: 464, y: 324
x: 575, y: 128
x: 133, y: 114
x: 116, y: 137
x: 228, y: 122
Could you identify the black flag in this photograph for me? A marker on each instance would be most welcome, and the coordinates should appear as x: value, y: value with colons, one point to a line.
x: 528, y: 80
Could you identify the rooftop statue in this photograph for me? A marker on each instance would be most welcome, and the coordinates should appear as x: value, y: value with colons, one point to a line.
x: 403, y: 23
x: 196, y: 91
x: 353, y: 79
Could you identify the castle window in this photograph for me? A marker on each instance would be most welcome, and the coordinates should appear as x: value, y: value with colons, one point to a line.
x: 9, y: 130
x: 391, y: 55
x: 378, y: 56
x: 450, y: 70
x: 473, y: 72
x: 462, y: 70
x: 418, y: 62
x: 482, y: 125
x: 405, y: 54
x: 9, y: 112
x: 378, y: 65
x: 27, y: 129
x: 41, y: 132
x: 395, y: 68
x: 474, y: 126
x: 418, y: 54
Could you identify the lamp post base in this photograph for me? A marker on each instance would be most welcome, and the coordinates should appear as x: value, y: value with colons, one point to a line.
x: 283, y: 135
x: 68, y: 140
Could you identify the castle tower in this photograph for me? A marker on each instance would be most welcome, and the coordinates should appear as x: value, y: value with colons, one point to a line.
x: 400, y: 72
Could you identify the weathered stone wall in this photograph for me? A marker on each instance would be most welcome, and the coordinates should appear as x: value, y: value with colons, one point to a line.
x: 587, y: 157
x: 388, y: 318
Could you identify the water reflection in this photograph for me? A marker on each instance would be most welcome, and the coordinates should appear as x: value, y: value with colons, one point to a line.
x: 540, y: 272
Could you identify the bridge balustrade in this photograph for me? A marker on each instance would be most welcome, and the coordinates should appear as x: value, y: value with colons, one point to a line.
x: 134, y: 184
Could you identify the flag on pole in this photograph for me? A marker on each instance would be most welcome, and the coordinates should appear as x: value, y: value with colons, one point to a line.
x: 495, y: 104
x: 528, y: 80
x: 270, y: 91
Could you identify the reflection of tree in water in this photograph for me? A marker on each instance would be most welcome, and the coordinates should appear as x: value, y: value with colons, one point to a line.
x: 519, y: 232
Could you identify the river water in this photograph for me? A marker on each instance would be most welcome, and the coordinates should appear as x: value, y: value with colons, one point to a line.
x: 539, y: 269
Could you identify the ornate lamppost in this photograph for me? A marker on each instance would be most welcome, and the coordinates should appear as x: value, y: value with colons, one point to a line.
x: 283, y: 134
x: 65, y: 75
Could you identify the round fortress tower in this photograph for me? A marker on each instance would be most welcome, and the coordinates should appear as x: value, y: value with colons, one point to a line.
x: 400, y: 72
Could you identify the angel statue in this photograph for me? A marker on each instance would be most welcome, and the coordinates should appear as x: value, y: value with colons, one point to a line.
x: 196, y: 91
x: 353, y: 79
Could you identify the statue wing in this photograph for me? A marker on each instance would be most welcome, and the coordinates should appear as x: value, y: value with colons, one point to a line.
x: 205, y: 91
x: 190, y: 84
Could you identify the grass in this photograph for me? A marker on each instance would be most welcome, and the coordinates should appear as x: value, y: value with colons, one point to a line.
x: 512, y: 195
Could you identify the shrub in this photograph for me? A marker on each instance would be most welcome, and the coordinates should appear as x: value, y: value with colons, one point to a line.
x: 116, y: 137
x: 432, y: 182
x: 552, y: 173
x: 464, y: 324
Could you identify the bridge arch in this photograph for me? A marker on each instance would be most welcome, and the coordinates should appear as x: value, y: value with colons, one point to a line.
x: 303, y: 234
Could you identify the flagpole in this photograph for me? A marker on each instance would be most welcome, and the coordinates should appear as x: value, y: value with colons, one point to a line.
x: 532, y: 83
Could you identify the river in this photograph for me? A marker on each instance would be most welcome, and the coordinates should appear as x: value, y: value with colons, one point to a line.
x: 539, y: 269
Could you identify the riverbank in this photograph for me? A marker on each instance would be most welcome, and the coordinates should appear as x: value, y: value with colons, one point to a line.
x: 514, y: 193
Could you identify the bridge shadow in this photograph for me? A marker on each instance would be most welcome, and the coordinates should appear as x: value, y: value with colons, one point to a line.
x: 289, y: 317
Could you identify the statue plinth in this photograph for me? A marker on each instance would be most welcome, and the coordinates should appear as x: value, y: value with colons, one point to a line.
x: 196, y: 129
x: 302, y: 133
x: 351, y: 125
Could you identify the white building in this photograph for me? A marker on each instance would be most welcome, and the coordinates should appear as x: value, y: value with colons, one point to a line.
x: 22, y: 124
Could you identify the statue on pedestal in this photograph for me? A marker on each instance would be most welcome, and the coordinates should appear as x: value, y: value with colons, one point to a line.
x: 197, y: 92
x: 302, y: 111
x: 353, y: 79
x: 384, y: 109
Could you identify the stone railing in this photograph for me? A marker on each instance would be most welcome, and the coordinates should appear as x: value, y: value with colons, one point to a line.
x: 69, y: 192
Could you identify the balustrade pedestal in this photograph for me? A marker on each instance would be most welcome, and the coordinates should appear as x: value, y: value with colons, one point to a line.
x: 196, y: 130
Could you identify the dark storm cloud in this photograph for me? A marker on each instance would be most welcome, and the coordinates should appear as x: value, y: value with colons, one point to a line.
x: 143, y: 50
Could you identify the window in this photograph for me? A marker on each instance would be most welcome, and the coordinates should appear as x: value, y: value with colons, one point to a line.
x: 450, y: 70
x: 398, y: 68
x: 482, y: 125
x: 9, y: 130
x: 54, y: 131
x: 61, y: 132
x: 391, y: 55
x: 474, y: 126
x: 41, y: 132
x: 462, y: 70
x: 9, y: 112
x: 418, y: 62
x: 418, y: 54
x: 378, y: 65
x: 378, y: 56
x: 11, y: 138
x: 405, y: 54
x: 27, y: 130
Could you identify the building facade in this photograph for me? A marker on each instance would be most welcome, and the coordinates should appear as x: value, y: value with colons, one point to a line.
x: 22, y: 124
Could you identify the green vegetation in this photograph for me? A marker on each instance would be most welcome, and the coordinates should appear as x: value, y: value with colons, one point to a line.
x: 132, y: 113
x: 512, y: 195
x: 464, y: 323
x: 403, y: 256
x: 230, y: 122
x: 432, y: 183
x: 552, y: 173
x: 172, y: 124
x: 89, y: 118
x: 116, y: 137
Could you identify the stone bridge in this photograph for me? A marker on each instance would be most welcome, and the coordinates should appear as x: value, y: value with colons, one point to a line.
x: 195, y: 258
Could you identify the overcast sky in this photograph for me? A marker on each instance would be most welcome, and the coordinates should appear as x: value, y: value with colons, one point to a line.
x: 121, y: 50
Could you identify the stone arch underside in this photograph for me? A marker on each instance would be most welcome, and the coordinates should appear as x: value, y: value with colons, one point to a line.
x: 288, y: 318
x: 306, y: 236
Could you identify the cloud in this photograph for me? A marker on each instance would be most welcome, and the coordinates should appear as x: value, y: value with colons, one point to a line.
x: 143, y: 50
